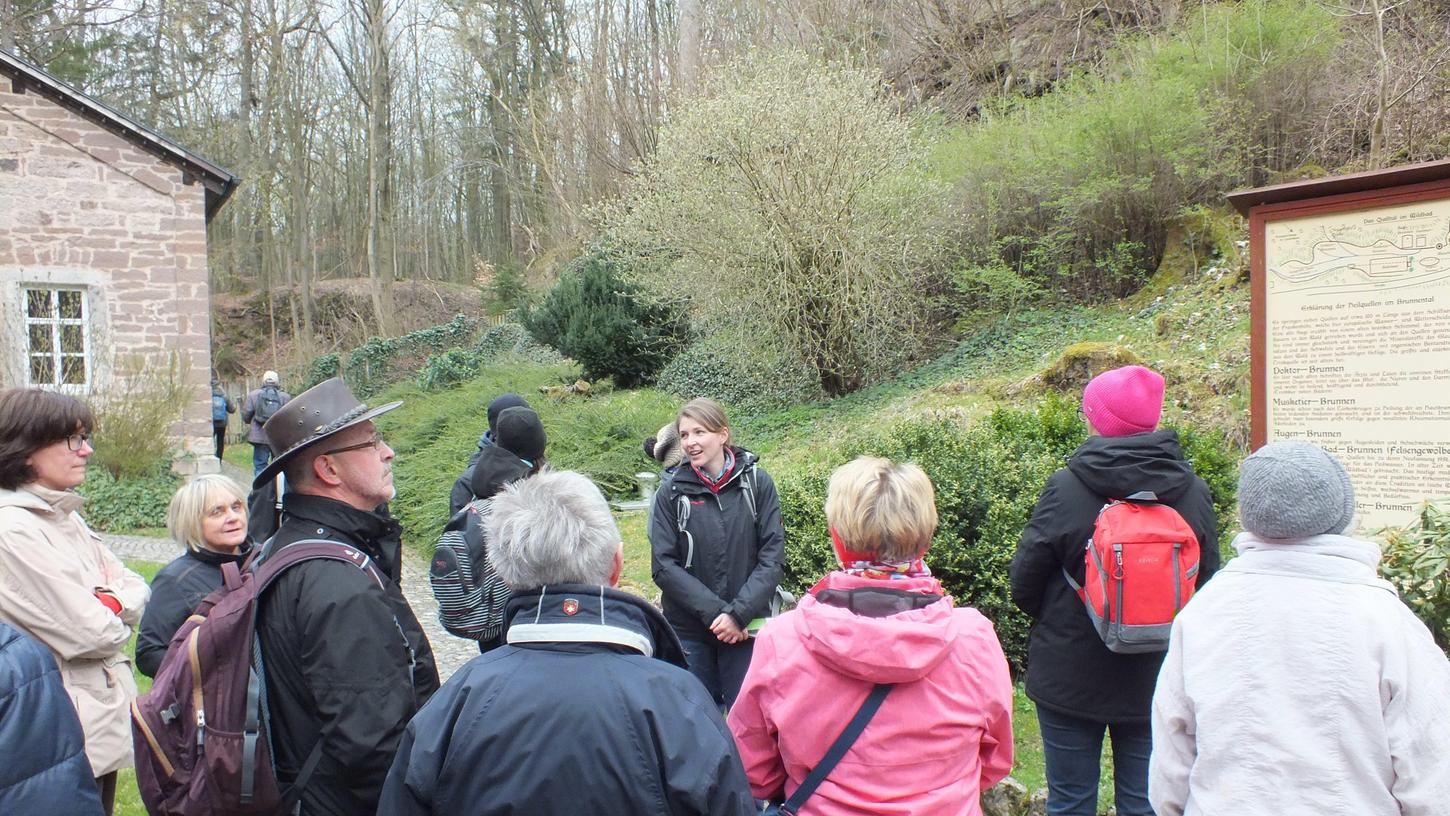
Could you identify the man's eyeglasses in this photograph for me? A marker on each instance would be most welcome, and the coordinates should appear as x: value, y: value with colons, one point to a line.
x: 76, y: 441
x: 371, y: 443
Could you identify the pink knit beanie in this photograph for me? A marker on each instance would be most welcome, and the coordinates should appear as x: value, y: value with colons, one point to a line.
x: 1124, y: 401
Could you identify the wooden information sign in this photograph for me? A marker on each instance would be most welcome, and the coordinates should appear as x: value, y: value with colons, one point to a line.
x: 1350, y: 343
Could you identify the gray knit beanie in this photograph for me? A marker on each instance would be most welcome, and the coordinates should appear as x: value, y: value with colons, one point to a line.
x: 1294, y: 489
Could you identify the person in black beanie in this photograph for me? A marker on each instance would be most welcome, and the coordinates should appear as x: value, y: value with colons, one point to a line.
x: 461, y: 495
x: 471, y: 597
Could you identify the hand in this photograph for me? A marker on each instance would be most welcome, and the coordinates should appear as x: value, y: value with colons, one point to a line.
x: 727, y: 630
x: 109, y: 601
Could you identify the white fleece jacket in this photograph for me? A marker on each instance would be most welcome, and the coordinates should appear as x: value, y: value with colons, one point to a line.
x: 1297, y: 683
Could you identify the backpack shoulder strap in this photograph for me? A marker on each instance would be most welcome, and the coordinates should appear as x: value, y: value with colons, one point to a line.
x: 682, y: 521
x: 747, y: 484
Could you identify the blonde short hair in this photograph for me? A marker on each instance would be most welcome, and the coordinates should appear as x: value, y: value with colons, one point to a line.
x: 189, y: 506
x: 708, y: 413
x: 882, y: 508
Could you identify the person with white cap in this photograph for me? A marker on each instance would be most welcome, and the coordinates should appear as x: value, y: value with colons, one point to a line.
x: 1082, y: 688
x: 257, y: 408
x: 1297, y: 681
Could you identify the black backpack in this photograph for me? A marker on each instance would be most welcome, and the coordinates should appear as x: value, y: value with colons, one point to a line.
x: 269, y: 399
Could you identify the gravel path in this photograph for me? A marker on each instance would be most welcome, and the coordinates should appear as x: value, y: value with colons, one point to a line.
x: 449, y: 651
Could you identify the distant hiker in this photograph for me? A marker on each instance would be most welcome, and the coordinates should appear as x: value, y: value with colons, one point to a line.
x: 1081, y: 687
x: 587, y: 709
x: 1298, y: 681
x: 880, y: 619
x: 471, y: 596
x: 221, y: 406
x: 208, y: 519
x: 257, y: 408
x: 61, y: 585
x: 717, y: 547
x: 347, y: 664
x: 461, y: 493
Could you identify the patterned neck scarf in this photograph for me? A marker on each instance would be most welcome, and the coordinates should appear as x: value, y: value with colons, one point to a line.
x: 719, y: 481
x: 888, y: 570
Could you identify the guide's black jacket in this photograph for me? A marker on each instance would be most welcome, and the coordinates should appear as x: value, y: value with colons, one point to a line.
x: 738, y: 556
x: 1069, y: 670
x: 335, y: 661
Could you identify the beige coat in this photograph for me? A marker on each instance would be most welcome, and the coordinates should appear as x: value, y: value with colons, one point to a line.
x: 51, y: 565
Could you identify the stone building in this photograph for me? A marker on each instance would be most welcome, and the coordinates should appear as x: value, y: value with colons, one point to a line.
x: 103, y: 262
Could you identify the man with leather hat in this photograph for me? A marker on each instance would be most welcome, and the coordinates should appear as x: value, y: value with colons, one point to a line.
x: 346, y: 662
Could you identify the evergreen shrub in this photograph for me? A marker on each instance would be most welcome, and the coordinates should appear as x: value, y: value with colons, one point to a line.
x: 1417, y: 562
x: 611, y: 327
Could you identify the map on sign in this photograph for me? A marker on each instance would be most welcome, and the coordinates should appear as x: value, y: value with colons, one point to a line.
x: 1366, y: 251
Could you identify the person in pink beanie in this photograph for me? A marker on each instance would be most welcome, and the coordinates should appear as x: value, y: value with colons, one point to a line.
x: 1081, y: 689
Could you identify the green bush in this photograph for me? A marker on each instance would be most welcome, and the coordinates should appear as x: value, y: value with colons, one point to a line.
x: 742, y: 373
x: 322, y: 367
x: 1052, y: 185
x: 382, y: 361
x: 129, y: 503
x: 607, y: 324
x: 987, y: 478
x: 1417, y: 562
x: 447, y: 369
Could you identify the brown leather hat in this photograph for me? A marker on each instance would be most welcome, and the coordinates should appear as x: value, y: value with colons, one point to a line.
x: 324, y: 410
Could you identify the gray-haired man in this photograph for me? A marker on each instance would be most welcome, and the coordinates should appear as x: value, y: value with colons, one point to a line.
x: 588, y: 707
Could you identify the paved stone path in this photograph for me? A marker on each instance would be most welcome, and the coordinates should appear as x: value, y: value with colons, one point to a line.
x: 449, y: 651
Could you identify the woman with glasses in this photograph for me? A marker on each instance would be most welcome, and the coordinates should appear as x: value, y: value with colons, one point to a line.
x: 208, y: 517
x: 61, y: 585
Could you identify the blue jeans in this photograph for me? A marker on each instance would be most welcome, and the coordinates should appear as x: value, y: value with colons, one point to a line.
x: 261, y: 455
x: 721, y: 667
x: 1073, y: 748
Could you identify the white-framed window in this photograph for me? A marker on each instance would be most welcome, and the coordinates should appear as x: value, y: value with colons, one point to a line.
x: 57, y: 337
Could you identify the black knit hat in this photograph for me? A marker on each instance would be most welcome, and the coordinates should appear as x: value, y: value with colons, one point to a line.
x: 521, y: 432
x: 502, y: 403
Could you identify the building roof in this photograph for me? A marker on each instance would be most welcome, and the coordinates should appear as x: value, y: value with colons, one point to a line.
x: 219, y: 182
x: 1246, y: 200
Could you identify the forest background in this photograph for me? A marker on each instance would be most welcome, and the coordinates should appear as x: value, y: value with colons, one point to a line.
x: 896, y: 227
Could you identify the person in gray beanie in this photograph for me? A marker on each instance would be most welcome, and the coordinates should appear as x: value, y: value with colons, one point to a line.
x: 664, y: 447
x: 1297, y: 675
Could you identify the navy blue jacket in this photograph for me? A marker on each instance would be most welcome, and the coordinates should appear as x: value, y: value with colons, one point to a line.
x: 45, y: 770
x: 586, y: 710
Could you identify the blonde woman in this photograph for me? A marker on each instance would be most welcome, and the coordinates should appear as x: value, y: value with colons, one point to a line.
x: 207, y: 516
x: 943, y: 732
x: 717, y: 548
x: 61, y: 585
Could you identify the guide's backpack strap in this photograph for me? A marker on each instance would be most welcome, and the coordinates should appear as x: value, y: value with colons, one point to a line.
x: 682, y: 510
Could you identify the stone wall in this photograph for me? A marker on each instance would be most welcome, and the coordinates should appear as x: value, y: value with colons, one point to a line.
x: 83, y: 207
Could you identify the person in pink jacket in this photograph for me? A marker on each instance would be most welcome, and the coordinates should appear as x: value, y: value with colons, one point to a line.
x: 944, y: 732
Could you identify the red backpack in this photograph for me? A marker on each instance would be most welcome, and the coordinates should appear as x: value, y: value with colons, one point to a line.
x: 1141, y: 563
x: 199, y: 733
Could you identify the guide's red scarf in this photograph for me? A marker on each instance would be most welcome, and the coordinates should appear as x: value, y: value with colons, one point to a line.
x: 719, y: 482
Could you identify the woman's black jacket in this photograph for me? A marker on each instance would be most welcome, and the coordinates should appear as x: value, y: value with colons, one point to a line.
x: 738, y: 554
x: 176, y: 591
x: 1069, y: 670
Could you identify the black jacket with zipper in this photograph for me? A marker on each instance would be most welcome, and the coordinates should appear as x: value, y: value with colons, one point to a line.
x: 175, y: 592
x: 731, y: 561
x: 335, y: 660
x: 1069, y: 670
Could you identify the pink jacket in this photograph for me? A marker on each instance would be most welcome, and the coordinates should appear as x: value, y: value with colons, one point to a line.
x: 942, y: 736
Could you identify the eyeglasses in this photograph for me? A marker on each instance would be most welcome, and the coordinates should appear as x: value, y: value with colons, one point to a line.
x: 371, y: 443
x: 76, y: 441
